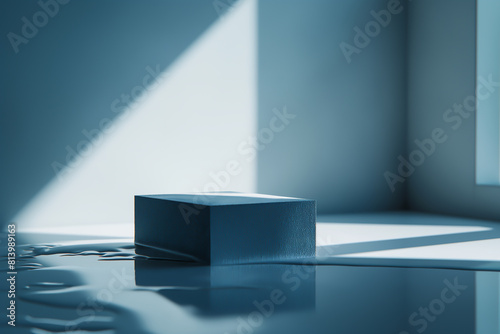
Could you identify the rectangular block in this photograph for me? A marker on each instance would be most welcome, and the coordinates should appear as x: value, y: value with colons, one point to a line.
x: 225, y: 228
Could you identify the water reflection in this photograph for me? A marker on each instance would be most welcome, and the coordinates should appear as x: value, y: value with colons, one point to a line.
x: 222, y: 290
x: 101, y: 286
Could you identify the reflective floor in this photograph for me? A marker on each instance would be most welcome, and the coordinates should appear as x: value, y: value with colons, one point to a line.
x: 69, y: 283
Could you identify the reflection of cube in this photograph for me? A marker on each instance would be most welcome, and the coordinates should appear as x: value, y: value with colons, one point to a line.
x: 225, y: 228
x: 234, y: 289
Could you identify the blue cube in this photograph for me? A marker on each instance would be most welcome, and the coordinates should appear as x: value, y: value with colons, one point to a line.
x: 225, y: 228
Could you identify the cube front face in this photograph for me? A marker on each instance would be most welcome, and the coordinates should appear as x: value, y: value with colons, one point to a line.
x: 272, y: 230
x: 260, y: 233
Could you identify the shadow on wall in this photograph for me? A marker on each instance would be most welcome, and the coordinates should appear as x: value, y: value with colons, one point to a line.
x: 347, y: 109
x: 69, y: 74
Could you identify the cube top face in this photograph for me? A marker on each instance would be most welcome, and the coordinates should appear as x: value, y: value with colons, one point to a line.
x: 223, y: 198
x: 227, y: 228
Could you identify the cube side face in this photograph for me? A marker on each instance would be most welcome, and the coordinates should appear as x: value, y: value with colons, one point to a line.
x: 263, y: 232
x: 162, y: 224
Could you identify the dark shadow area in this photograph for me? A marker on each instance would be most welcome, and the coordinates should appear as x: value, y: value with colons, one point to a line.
x: 74, y: 73
x: 346, y: 122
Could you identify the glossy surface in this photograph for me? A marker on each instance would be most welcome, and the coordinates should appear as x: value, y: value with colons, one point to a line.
x: 80, y: 280
x: 101, y: 286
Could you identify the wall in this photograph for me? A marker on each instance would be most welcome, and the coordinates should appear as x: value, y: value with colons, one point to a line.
x: 349, y: 124
x: 116, y: 98
x: 441, y: 73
